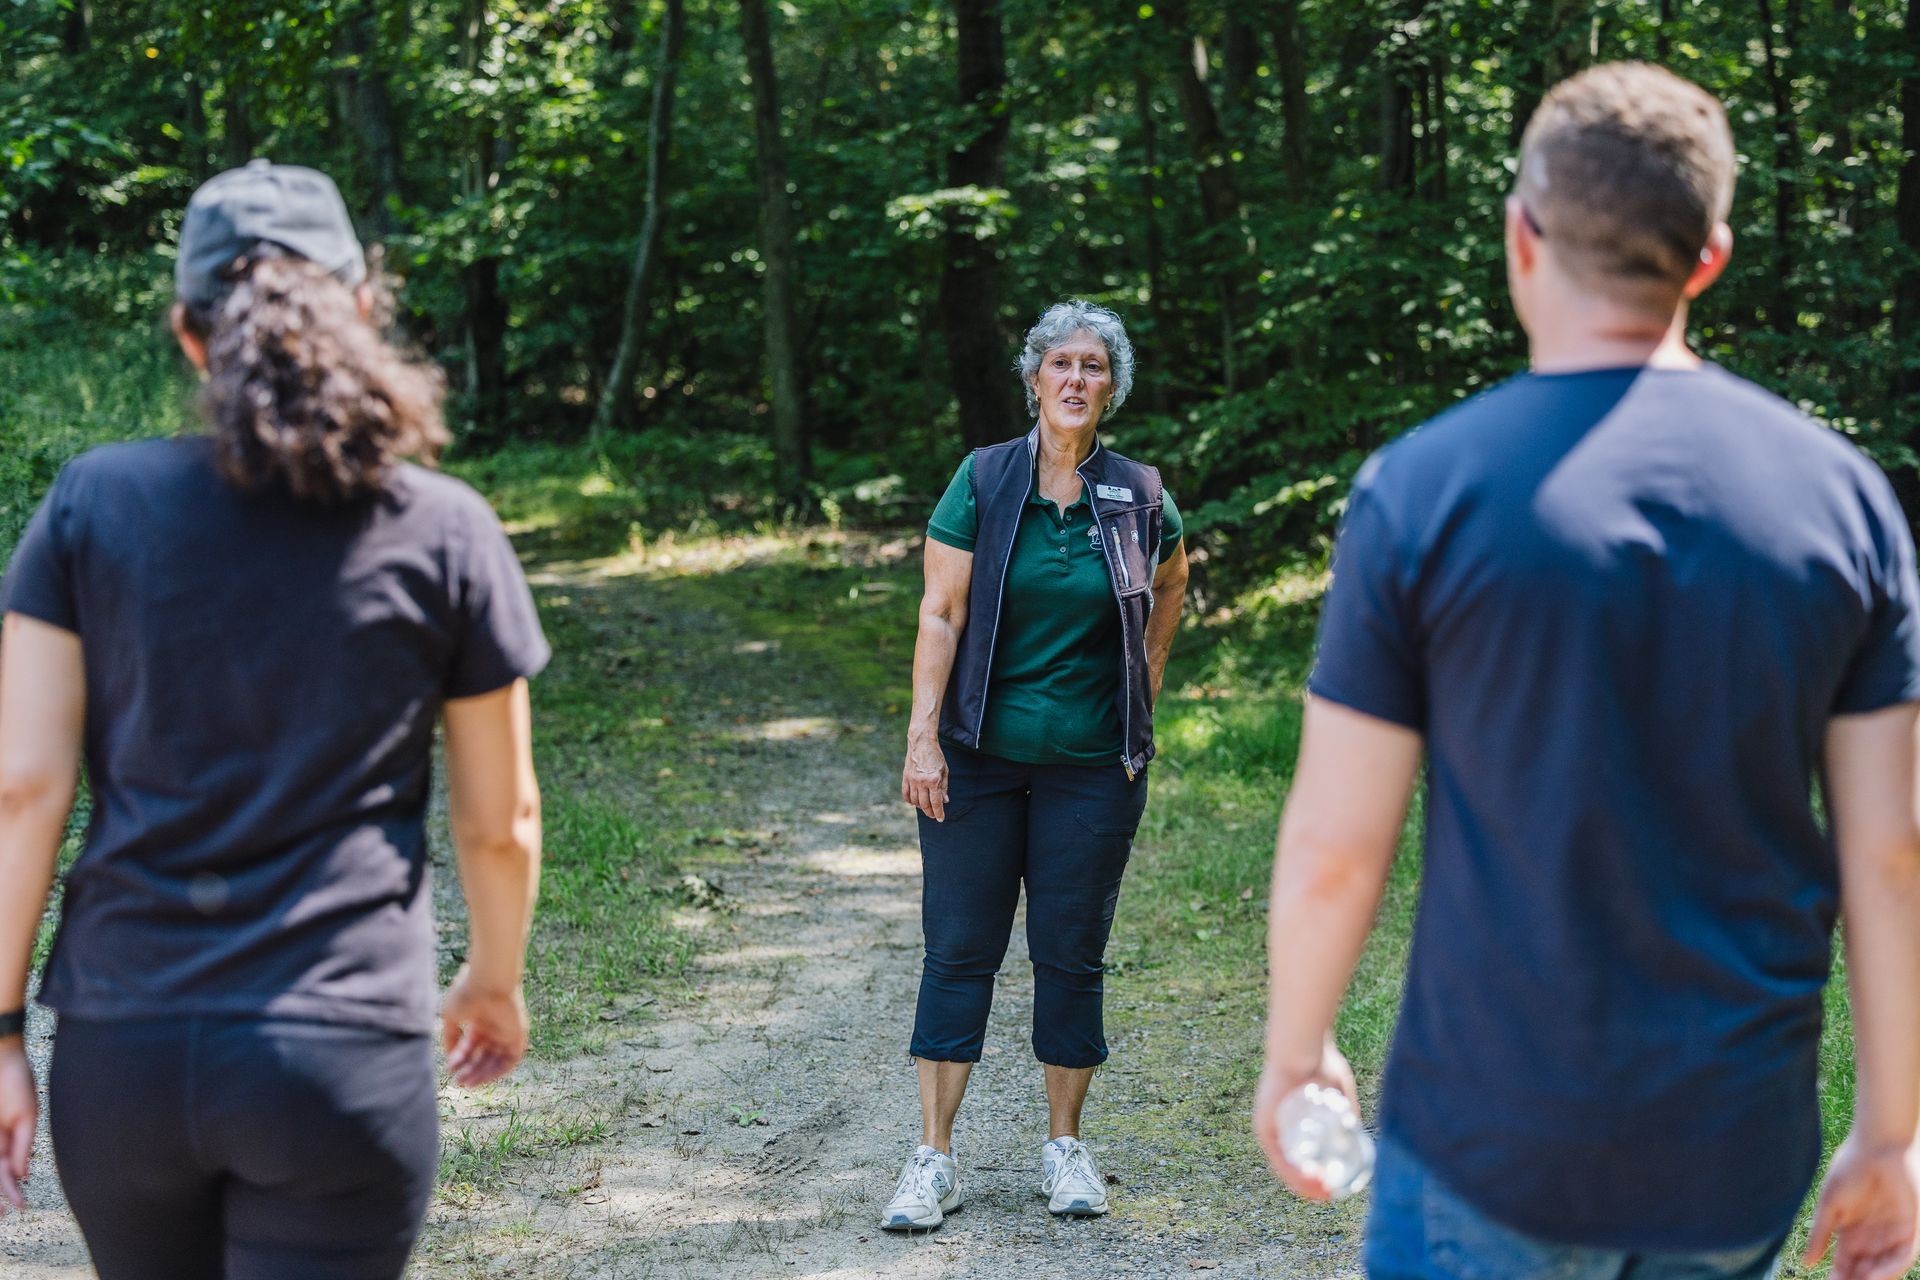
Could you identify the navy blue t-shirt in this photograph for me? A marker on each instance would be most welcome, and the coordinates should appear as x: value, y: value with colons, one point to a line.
x: 1621, y: 607
x: 263, y: 677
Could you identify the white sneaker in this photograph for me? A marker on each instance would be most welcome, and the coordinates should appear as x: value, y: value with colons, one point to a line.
x: 929, y: 1190
x: 1070, y: 1181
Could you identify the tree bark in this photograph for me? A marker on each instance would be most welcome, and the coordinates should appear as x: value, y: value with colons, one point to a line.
x: 237, y: 117
x: 366, y: 108
x: 1906, y: 288
x: 1781, y: 314
x: 792, y: 456
x: 1295, y: 111
x: 1397, y: 167
x: 616, y: 401
x: 1239, y: 73
x: 74, y: 36
x: 486, y: 309
x: 1150, y: 218
x: 970, y: 284
x: 1219, y: 192
x: 623, y: 26
x: 1662, y: 40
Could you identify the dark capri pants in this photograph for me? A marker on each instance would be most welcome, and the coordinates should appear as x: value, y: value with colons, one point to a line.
x: 244, y: 1148
x: 1065, y: 831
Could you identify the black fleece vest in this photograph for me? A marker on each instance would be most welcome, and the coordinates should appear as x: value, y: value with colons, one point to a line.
x: 1125, y: 497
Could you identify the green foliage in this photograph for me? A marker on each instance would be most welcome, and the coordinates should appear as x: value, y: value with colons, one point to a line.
x: 1337, y: 306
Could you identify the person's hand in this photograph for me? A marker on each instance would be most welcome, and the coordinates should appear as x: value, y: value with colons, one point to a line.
x: 19, y: 1116
x: 1276, y: 1082
x: 485, y: 1029
x: 1871, y: 1199
x: 923, y: 780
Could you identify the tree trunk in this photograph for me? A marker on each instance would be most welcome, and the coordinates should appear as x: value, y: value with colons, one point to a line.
x: 792, y: 456
x: 616, y: 401
x: 366, y: 108
x: 199, y: 157
x: 74, y: 36
x: 1906, y: 288
x: 623, y: 27
x: 486, y: 310
x: 1219, y: 193
x: 1239, y: 72
x: 1781, y: 314
x: 1662, y: 39
x: 1555, y: 37
x: 238, y: 121
x: 1150, y: 217
x: 970, y: 284
x: 1397, y: 167
x: 1295, y: 112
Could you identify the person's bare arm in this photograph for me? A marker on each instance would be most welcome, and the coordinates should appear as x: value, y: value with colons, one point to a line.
x: 943, y: 615
x: 1871, y: 1197
x: 494, y: 800
x: 1169, y: 595
x: 43, y: 702
x: 1338, y: 836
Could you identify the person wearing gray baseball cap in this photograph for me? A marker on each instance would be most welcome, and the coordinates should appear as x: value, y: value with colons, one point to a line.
x: 252, y: 634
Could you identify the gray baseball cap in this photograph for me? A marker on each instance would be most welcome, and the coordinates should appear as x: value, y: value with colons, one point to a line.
x: 298, y: 209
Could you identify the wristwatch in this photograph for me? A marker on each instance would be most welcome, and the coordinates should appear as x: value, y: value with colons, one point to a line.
x: 13, y: 1024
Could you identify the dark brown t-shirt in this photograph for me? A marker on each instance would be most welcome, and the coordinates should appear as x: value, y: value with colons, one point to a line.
x: 263, y: 678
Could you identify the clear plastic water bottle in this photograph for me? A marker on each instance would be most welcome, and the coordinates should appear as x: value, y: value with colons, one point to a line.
x: 1322, y: 1137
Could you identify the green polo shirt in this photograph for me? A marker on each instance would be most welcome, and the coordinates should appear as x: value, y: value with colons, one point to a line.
x: 1055, y: 685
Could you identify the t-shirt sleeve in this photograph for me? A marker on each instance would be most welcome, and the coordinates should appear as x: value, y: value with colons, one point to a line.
x: 956, y: 521
x: 1172, y: 527
x: 1885, y: 668
x: 500, y: 640
x: 39, y: 581
x: 1368, y: 658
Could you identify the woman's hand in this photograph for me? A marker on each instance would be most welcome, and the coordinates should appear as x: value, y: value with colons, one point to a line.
x: 485, y: 1030
x: 19, y: 1115
x: 1276, y: 1083
x: 923, y: 780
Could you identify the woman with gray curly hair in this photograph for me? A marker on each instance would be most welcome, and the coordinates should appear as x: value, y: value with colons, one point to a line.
x: 1055, y: 570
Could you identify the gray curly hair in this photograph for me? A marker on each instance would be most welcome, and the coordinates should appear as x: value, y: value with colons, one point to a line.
x: 1060, y: 322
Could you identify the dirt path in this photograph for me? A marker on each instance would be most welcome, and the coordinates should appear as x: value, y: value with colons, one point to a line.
x: 754, y: 1126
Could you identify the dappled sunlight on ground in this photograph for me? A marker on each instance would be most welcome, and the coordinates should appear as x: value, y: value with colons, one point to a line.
x: 851, y: 860
x: 787, y: 729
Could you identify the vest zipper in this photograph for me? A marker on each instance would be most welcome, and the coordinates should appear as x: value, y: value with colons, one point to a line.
x: 1117, y: 568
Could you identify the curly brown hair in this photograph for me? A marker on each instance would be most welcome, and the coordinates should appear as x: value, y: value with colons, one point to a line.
x: 303, y: 390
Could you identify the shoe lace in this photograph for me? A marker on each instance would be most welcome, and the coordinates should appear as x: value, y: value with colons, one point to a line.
x: 1077, y: 1171
x: 917, y: 1177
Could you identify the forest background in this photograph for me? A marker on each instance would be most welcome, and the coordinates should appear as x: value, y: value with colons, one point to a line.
x: 713, y: 280
x: 771, y: 257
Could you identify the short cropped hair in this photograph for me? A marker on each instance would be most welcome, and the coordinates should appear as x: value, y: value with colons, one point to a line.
x: 1060, y: 322
x: 1625, y: 169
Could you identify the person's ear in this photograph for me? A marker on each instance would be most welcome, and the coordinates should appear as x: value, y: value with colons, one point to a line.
x: 192, y: 345
x: 1713, y: 260
x: 1523, y: 242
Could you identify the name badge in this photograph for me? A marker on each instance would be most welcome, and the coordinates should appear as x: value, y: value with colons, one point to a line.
x: 1113, y: 493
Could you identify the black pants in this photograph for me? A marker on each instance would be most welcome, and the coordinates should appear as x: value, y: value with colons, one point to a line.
x: 1066, y: 831
x: 244, y: 1148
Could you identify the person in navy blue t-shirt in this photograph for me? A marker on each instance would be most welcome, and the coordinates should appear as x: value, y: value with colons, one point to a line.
x: 1630, y: 607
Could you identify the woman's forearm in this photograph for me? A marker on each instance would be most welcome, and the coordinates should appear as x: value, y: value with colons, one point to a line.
x: 501, y: 878
x: 33, y: 818
x: 934, y: 649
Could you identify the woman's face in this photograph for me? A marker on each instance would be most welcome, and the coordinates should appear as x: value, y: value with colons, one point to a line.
x: 1074, y: 383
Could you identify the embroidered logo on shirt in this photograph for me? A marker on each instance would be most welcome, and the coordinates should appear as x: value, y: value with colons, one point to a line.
x: 1114, y: 492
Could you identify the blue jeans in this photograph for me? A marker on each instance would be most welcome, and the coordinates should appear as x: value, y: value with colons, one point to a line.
x: 1065, y: 831
x: 1417, y: 1229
